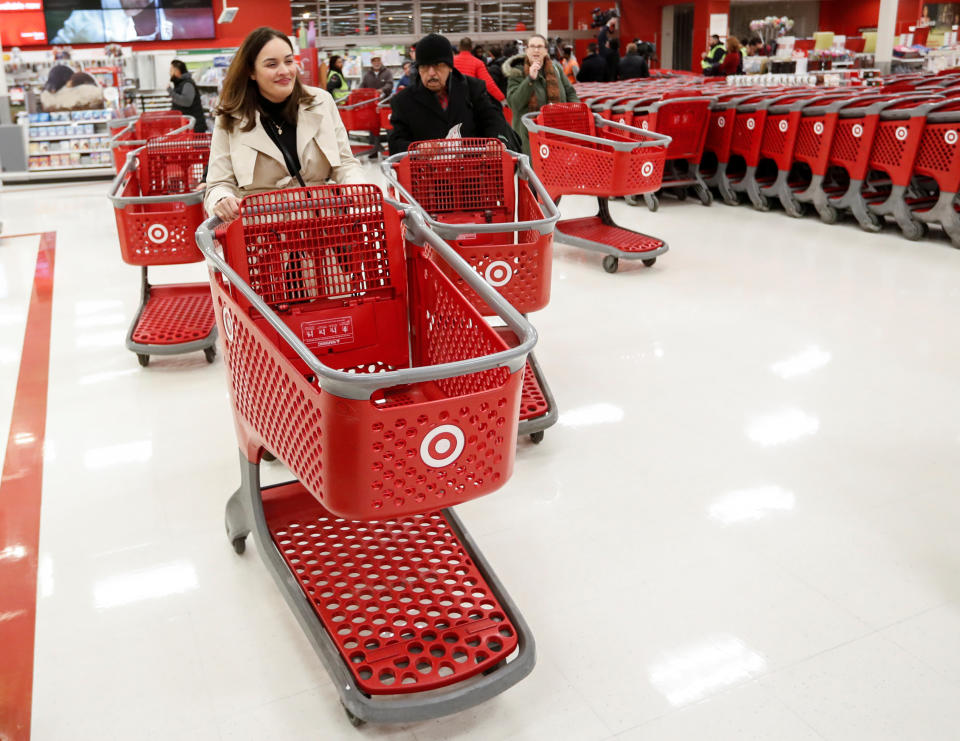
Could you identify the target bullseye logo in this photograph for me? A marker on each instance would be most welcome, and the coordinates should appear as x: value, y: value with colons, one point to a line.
x: 442, y: 446
x: 544, y: 151
x: 623, y: 120
x: 751, y: 124
x: 644, y: 125
x: 722, y: 121
x: 157, y: 233
x: 950, y: 137
x: 783, y: 127
x: 901, y: 133
x: 498, y: 273
x: 228, y: 323
x: 646, y: 169
x: 857, y: 130
x: 818, y: 128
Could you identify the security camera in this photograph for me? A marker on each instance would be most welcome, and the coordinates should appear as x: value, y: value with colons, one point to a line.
x: 227, y: 14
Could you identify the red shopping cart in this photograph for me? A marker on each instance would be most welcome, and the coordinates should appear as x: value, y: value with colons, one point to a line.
x: 354, y: 358
x: 495, y: 212
x: 158, y: 203
x: 128, y: 134
x: 716, y: 149
x: 360, y: 115
x: 684, y: 119
x: 575, y: 151
x: 938, y: 162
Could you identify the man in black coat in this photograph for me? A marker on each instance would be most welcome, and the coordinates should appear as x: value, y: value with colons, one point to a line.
x: 593, y: 68
x: 633, y: 65
x: 440, y: 97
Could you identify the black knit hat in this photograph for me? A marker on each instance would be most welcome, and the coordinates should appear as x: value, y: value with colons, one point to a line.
x: 433, y: 49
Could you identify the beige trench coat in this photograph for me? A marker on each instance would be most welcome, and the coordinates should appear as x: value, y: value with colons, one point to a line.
x: 246, y: 162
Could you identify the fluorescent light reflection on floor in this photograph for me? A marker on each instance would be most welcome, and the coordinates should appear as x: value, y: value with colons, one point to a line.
x: 744, y: 505
x: 138, y: 451
x: 106, y: 376
x: 135, y: 586
x: 592, y: 414
x: 703, y: 669
x: 781, y: 427
x: 811, y: 359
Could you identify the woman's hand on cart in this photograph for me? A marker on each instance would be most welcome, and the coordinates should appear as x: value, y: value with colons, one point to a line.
x: 227, y: 208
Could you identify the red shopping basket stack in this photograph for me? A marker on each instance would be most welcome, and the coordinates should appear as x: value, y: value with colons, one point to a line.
x: 354, y: 358
x: 130, y: 134
x: 938, y: 162
x: 360, y: 114
x: 574, y: 151
x: 490, y: 205
x: 158, y: 204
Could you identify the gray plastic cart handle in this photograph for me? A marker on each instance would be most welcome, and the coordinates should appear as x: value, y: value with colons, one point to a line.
x: 656, y: 140
x: 351, y: 106
x: 114, y: 142
x: 446, y: 230
x: 119, y: 183
x: 362, y: 386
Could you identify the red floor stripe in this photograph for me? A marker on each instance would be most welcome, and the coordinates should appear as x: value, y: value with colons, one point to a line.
x: 20, y: 488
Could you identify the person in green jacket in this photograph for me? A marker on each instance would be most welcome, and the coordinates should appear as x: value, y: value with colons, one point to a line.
x: 533, y: 80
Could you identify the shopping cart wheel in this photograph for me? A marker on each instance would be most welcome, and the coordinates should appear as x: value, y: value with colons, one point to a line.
x: 874, y: 222
x: 239, y: 545
x: 650, y: 262
x: 828, y: 214
x: 144, y: 360
x: 536, y: 437
x: 680, y: 193
x: 354, y: 720
x: 704, y: 194
x: 653, y: 203
x: 210, y: 353
x: 762, y: 203
x: 268, y: 456
x: 632, y: 200
x: 611, y: 263
x: 914, y: 230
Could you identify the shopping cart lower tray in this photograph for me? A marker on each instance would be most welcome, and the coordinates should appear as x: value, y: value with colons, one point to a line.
x: 538, y: 407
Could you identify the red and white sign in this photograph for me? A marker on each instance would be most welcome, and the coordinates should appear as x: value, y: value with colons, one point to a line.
x: 442, y: 446
x: 327, y: 332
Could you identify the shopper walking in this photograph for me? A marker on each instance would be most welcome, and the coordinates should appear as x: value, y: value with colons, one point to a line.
x: 570, y: 66
x: 337, y: 84
x: 495, y: 68
x: 633, y: 65
x: 469, y: 65
x: 533, y: 81
x: 378, y: 77
x: 271, y: 131
x: 593, y: 68
x: 441, y: 98
x: 184, y: 95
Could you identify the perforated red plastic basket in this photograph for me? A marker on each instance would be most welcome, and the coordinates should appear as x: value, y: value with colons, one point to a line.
x: 359, y: 111
x: 331, y: 395
x: 152, y: 125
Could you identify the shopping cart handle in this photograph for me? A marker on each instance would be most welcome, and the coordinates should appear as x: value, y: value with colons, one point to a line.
x: 446, y: 230
x: 114, y: 142
x: 654, y: 139
x: 363, y: 386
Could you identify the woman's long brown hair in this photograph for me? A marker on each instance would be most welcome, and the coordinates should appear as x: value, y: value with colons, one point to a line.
x: 238, y: 97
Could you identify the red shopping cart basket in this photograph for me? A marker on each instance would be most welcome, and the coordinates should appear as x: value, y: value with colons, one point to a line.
x: 360, y: 114
x: 938, y: 161
x: 158, y: 204
x: 574, y: 151
x: 353, y: 357
x: 127, y: 134
x: 497, y: 215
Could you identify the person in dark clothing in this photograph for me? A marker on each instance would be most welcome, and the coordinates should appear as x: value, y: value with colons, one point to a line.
x: 713, y: 56
x: 439, y: 98
x: 184, y: 96
x: 605, y: 36
x: 495, y: 68
x: 593, y: 68
x: 613, y: 60
x: 633, y: 65
x: 378, y: 77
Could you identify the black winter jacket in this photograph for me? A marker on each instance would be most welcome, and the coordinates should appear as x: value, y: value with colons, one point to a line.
x: 185, y: 97
x: 593, y: 68
x: 633, y: 66
x: 417, y: 114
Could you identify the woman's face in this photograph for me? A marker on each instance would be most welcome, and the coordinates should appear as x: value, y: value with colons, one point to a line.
x: 536, y: 49
x: 275, y: 70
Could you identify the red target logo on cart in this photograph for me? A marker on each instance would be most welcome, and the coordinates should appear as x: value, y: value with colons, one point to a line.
x: 498, y: 273
x: 722, y: 121
x: 950, y: 137
x: 644, y: 125
x: 857, y: 130
x: 158, y: 233
x: 623, y: 120
x: 900, y: 133
x: 818, y: 128
x: 544, y: 151
x: 228, y: 323
x: 751, y: 124
x: 442, y: 446
x: 646, y: 169
x: 783, y: 126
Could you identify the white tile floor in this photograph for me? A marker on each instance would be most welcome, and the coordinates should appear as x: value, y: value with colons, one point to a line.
x: 744, y: 525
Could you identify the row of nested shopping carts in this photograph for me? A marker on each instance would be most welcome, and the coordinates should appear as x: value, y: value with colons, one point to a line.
x: 871, y: 152
x: 391, y: 372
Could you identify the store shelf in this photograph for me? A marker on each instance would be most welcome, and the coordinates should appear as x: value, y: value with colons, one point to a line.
x: 68, y: 136
x: 67, y: 151
x: 84, y: 171
x: 72, y: 167
x: 71, y: 122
